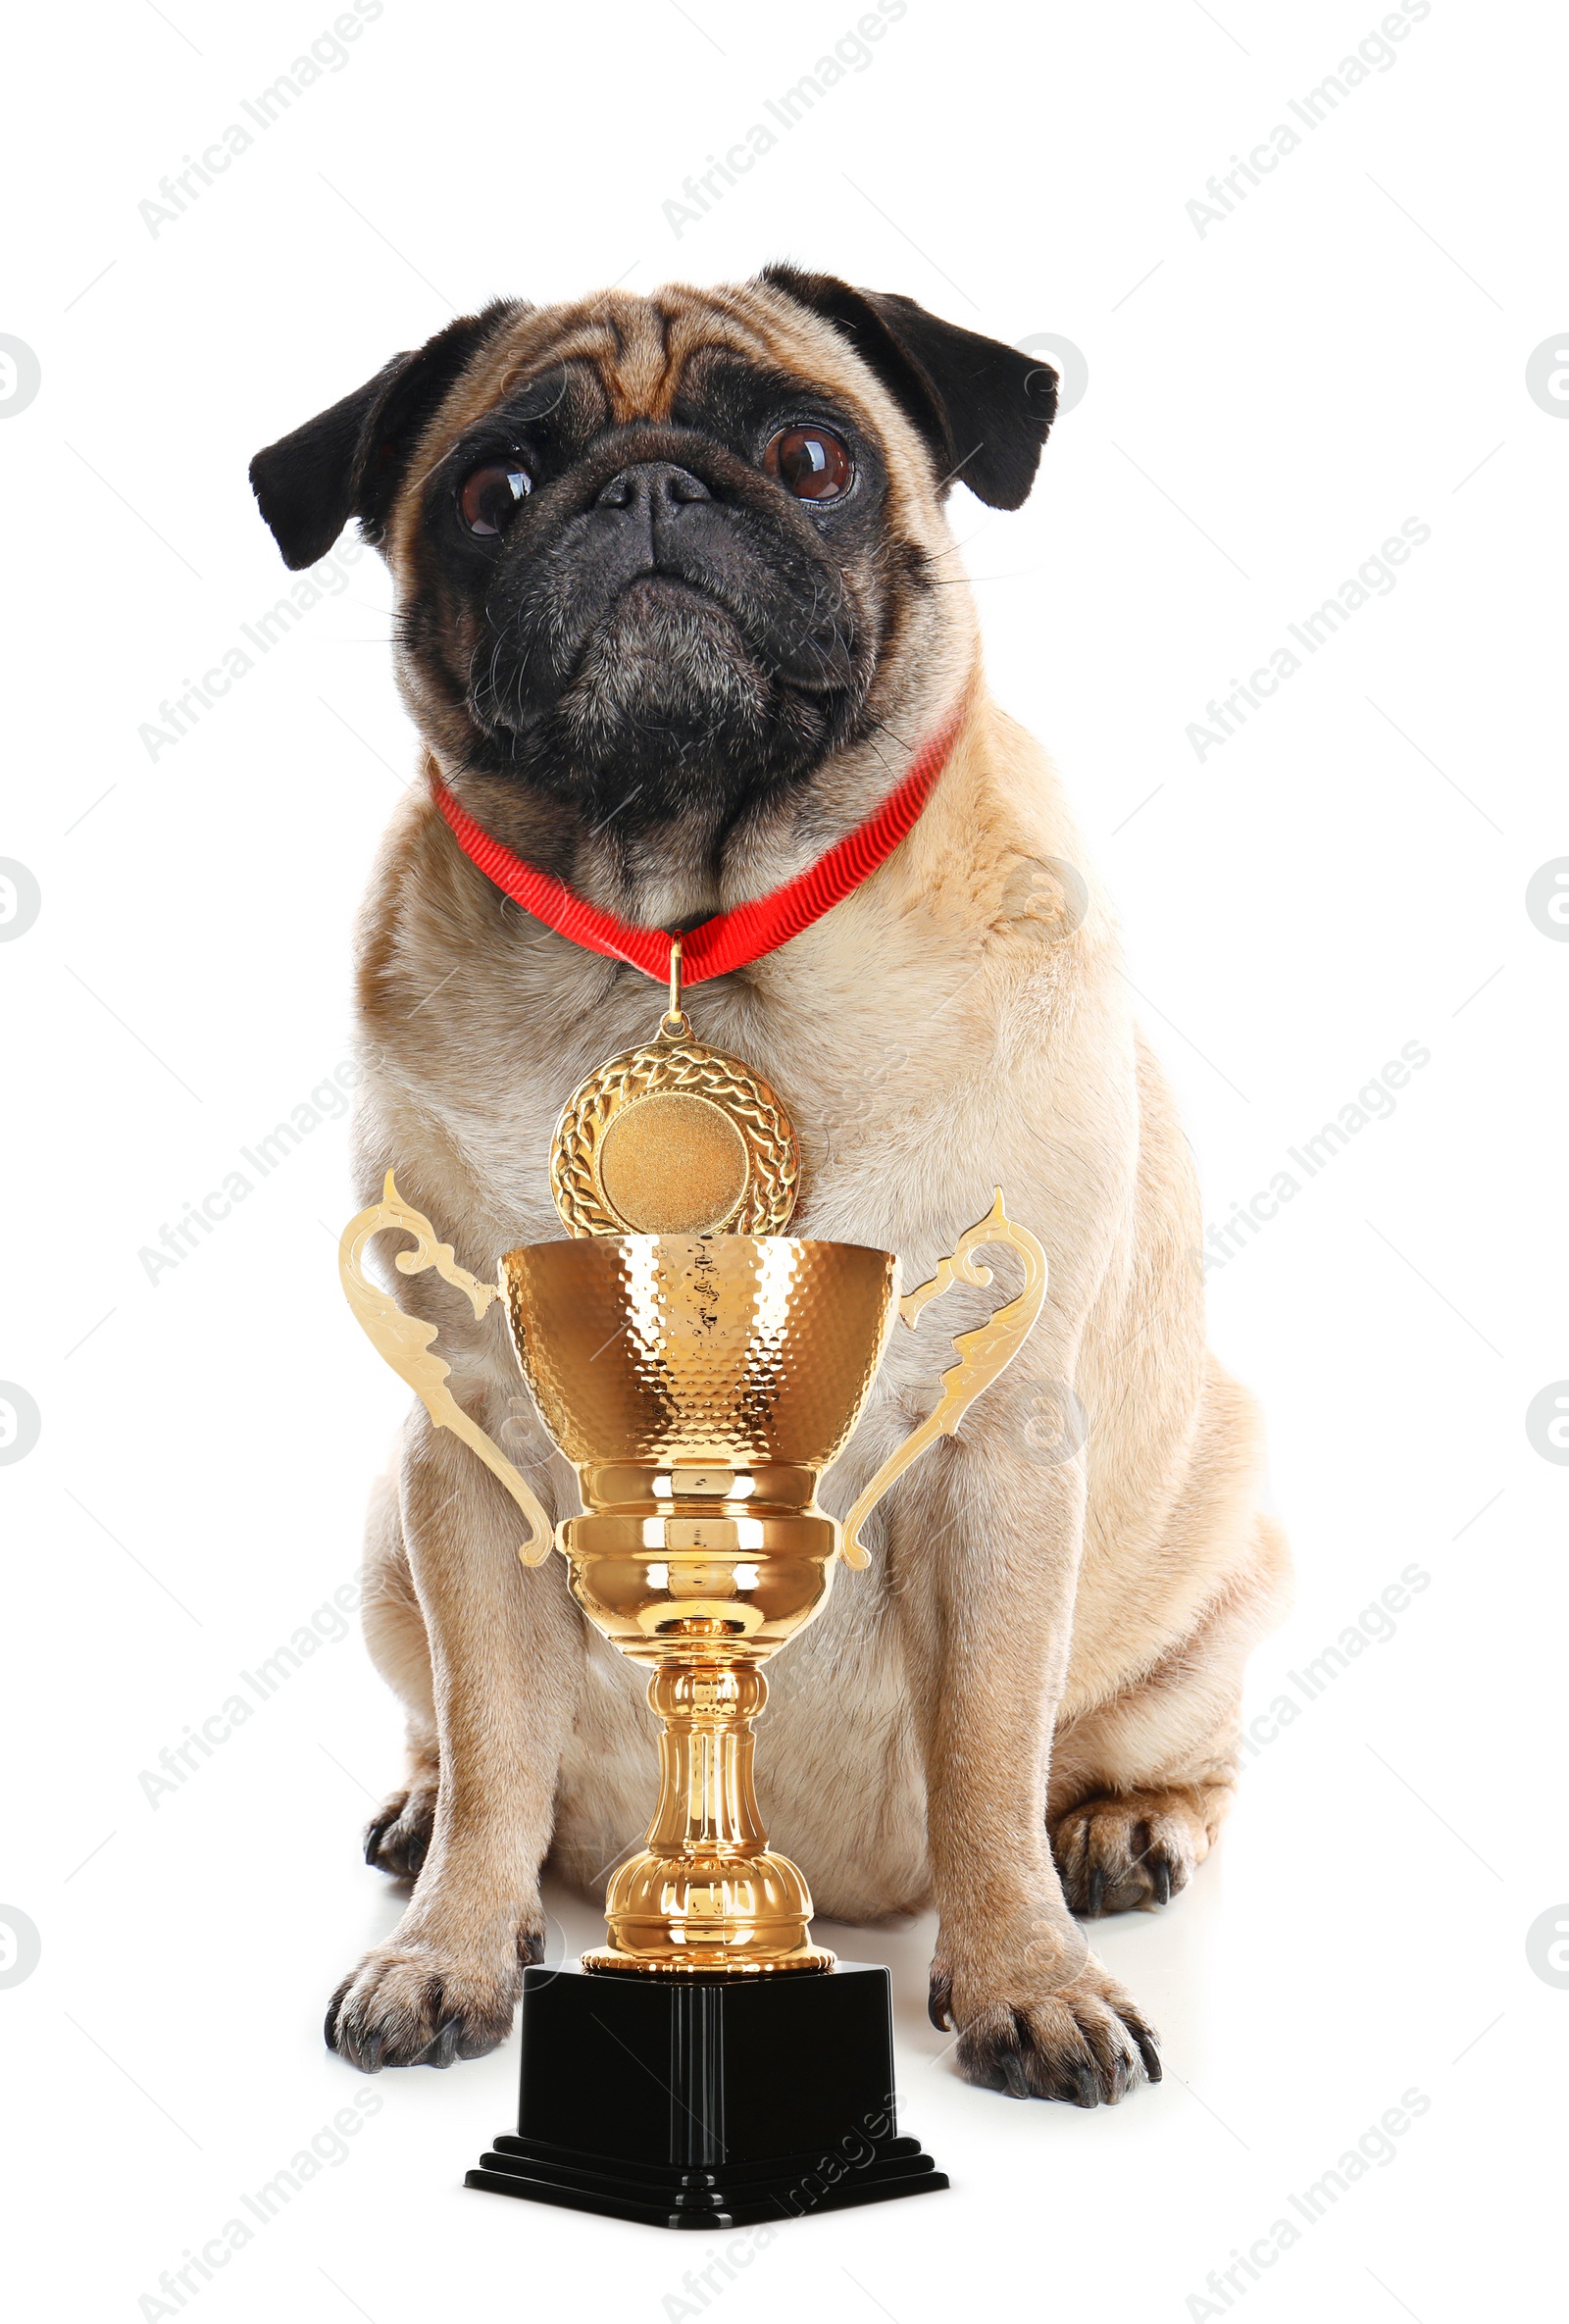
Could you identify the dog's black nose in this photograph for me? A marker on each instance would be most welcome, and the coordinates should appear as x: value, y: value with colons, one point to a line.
x: 650, y: 485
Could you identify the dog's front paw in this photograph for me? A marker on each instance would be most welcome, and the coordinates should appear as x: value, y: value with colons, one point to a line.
x: 413, y: 2004
x: 1084, y: 2041
x: 397, y: 1836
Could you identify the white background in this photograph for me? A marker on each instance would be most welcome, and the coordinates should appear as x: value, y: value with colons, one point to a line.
x: 1267, y: 402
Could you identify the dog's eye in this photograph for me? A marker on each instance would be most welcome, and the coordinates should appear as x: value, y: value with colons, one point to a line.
x: 489, y: 496
x: 810, y: 462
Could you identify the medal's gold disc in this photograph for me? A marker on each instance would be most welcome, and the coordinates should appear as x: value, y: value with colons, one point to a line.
x: 675, y: 1139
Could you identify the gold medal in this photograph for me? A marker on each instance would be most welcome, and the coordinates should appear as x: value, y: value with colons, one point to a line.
x: 674, y: 1139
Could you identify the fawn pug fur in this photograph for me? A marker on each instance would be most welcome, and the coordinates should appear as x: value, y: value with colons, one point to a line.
x: 677, y: 602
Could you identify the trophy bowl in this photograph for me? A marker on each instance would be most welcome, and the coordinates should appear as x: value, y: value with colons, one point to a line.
x: 700, y: 1387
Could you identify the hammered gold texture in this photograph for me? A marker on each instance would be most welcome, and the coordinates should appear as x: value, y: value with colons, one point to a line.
x: 687, y: 1349
x: 772, y: 1158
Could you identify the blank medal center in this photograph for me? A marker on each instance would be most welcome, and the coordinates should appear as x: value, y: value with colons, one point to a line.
x: 673, y: 1164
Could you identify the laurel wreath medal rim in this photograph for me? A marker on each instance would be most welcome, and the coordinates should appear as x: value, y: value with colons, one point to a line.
x: 766, y: 1129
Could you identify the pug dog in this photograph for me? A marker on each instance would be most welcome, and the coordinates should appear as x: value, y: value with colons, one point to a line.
x: 678, y: 605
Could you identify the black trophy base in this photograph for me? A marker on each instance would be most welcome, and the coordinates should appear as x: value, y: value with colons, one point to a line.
x: 707, y: 2102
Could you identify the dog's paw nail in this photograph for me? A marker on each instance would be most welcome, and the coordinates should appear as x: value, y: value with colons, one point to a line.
x: 410, y: 2006
x: 1080, y: 2043
x: 444, y: 2049
x: 1134, y: 1850
x: 398, y: 1839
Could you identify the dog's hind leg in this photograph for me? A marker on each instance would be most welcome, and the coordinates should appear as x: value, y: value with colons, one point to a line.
x: 398, y: 1835
x: 1139, y: 1785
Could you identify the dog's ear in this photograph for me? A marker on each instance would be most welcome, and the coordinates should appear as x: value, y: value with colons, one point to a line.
x: 349, y: 461
x: 983, y: 408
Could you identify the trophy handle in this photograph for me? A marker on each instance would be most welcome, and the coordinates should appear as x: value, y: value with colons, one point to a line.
x: 983, y: 1352
x: 404, y: 1340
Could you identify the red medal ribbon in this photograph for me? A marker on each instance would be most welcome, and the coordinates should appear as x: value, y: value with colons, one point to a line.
x: 732, y: 938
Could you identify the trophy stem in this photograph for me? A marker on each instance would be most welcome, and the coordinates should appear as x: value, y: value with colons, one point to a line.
x: 707, y: 1897
x: 707, y: 1805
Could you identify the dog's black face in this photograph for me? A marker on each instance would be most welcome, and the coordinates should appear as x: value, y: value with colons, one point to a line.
x: 646, y: 613
x: 659, y: 559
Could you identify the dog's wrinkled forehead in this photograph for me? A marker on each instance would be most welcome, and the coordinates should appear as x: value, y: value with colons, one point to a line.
x: 621, y: 359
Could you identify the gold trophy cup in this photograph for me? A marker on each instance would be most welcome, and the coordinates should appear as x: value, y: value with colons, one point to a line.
x: 701, y: 1385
